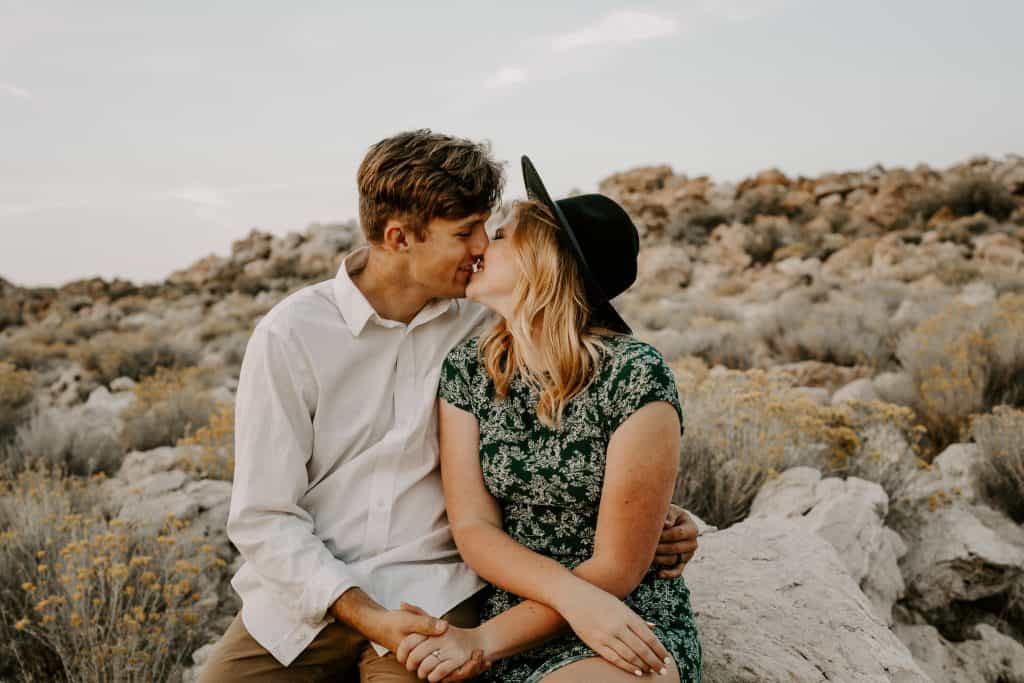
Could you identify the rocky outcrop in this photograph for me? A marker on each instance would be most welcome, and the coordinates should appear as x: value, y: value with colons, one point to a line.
x: 774, y: 603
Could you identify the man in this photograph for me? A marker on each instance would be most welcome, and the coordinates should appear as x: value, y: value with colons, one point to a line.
x: 337, y: 506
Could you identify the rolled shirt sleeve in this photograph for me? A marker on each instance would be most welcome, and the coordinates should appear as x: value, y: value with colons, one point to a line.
x: 274, y: 409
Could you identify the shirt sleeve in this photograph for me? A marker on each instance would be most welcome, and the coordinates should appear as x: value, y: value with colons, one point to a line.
x: 457, y: 372
x: 640, y: 376
x: 274, y: 408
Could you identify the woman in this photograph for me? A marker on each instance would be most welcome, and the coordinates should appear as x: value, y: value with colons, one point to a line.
x: 559, y: 439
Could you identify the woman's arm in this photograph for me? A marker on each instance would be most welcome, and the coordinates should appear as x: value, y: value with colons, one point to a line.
x: 634, y: 502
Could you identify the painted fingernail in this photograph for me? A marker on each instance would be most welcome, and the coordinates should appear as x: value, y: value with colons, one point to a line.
x: 663, y: 671
x: 638, y: 673
x: 668, y: 660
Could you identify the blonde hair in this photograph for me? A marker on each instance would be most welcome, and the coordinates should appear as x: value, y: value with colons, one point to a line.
x: 549, y: 339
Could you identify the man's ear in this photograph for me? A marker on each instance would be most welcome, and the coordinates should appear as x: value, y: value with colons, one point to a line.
x: 396, y: 235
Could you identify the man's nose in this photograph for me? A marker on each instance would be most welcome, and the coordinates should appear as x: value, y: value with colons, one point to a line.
x: 480, y: 243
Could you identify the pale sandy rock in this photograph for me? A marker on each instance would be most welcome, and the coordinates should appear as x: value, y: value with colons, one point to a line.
x: 895, y: 387
x: 727, y: 246
x: 991, y: 658
x: 798, y: 267
x: 954, y: 474
x: 102, y: 400
x: 859, y: 389
x: 138, y: 465
x: 209, y: 493
x: 122, y: 384
x: 851, y: 259
x: 959, y: 552
x: 848, y: 514
x: 976, y: 294
x: 813, y: 373
x: 999, y: 250
x: 774, y: 603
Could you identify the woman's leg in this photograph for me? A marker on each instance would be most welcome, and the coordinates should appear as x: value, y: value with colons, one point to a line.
x: 597, y: 670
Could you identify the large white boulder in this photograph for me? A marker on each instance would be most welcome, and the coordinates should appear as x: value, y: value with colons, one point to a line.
x: 850, y: 515
x: 993, y: 657
x: 775, y: 602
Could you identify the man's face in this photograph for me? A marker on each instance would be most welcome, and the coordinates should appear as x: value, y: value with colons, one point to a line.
x: 443, y: 262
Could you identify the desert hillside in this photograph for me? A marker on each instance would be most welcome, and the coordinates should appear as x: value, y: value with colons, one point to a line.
x: 850, y: 354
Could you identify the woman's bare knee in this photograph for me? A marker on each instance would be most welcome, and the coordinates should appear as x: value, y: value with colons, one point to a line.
x: 597, y: 670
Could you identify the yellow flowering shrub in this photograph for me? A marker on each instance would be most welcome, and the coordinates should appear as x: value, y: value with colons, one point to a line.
x: 167, y: 406
x: 742, y: 428
x: 211, y: 449
x: 16, y: 388
x: 87, y: 598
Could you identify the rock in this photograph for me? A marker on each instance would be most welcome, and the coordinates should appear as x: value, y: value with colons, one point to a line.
x: 209, y: 493
x: 100, y: 399
x: 727, y: 246
x: 852, y: 259
x: 848, y: 514
x: 774, y: 603
x: 999, y: 250
x: 953, y: 474
x: 138, y: 465
x: 122, y: 384
x: 859, y: 390
x: 959, y: 552
x: 150, y: 515
x: 976, y: 294
x: 895, y: 387
x: 991, y: 658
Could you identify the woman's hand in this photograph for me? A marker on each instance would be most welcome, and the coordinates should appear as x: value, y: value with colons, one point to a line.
x: 456, y: 656
x: 612, y: 630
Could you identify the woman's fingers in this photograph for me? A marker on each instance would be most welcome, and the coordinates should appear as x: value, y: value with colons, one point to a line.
x: 429, y: 663
x: 419, y: 653
x: 646, y: 633
x: 407, y: 645
x: 610, y: 654
x: 673, y: 573
x: 643, y: 650
x: 443, y: 669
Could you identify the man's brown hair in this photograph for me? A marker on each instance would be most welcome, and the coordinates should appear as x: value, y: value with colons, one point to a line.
x: 420, y: 175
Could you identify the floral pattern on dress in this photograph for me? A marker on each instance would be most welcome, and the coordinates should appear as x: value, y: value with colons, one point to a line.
x: 548, y: 484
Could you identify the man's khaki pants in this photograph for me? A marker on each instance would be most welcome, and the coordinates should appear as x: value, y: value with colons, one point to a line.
x: 338, y: 654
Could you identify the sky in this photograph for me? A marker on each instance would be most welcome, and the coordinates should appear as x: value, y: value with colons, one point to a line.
x: 138, y: 137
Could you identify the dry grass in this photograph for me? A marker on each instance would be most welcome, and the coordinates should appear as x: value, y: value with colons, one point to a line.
x: 16, y: 389
x: 998, y: 435
x: 85, y: 598
x: 965, y: 197
x: 110, y: 355
x: 741, y: 429
x: 75, y: 442
x: 212, y: 448
x: 168, y: 405
x: 964, y: 361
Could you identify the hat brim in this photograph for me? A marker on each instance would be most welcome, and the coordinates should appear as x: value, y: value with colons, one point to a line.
x: 603, y: 311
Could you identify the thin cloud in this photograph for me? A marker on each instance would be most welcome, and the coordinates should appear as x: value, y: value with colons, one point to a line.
x: 14, y: 91
x: 508, y: 76
x: 617, y: 27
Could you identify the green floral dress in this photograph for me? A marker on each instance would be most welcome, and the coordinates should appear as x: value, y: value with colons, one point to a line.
x: 548, y: 484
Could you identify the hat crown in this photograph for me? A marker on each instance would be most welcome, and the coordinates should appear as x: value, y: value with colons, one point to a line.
x: 607, y: 239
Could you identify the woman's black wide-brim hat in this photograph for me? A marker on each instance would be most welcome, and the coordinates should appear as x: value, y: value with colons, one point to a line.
x: 599, y: 233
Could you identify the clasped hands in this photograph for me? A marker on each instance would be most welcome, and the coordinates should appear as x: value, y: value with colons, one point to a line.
x: 600, y: 620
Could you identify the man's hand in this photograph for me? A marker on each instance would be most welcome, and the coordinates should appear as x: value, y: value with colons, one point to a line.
x: 677, y: 544
x: 389, y: 628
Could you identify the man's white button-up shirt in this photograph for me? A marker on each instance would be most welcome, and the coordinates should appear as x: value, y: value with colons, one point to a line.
x: 337, y: 481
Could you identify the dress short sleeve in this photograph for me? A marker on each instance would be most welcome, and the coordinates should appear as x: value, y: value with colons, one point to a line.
x: 639, y: 375
x: 457, y: 373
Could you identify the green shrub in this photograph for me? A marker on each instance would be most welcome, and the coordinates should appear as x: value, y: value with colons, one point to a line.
x: 110, y: 355
x: 167, y: 406
x: 16, y: 391
x: 966, y: 197
x: 998, y: 435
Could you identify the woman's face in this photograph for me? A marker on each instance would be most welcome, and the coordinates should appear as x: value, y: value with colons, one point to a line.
x: 494, y: 283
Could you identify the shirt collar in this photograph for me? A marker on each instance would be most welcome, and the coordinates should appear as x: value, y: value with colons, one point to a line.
x: 356, y: 309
